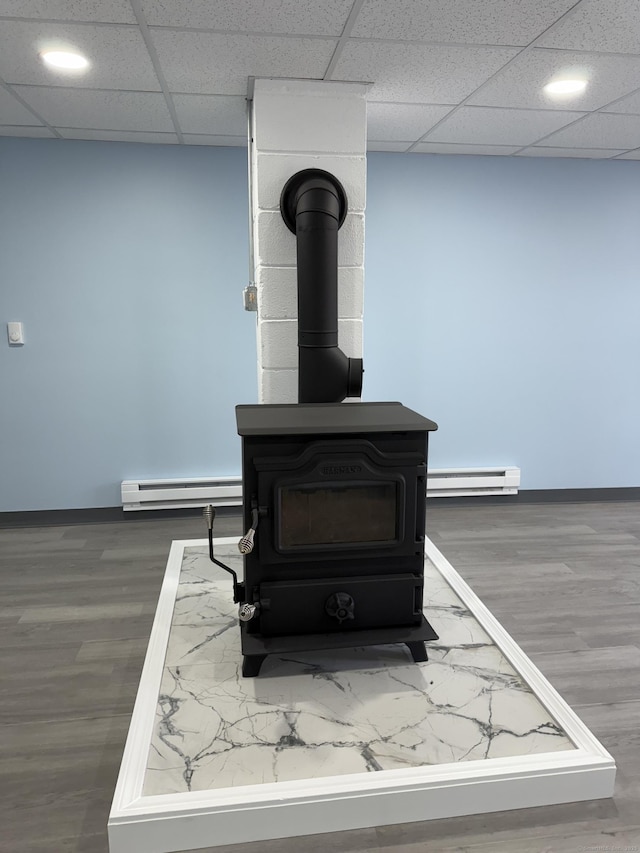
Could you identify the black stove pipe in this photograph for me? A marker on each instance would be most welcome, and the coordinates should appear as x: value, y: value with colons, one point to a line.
x: 314, y: 206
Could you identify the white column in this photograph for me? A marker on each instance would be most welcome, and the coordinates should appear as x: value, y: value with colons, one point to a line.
x: 300, y: 125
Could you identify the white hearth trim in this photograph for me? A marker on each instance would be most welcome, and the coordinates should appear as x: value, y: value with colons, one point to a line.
x: 161, y: 824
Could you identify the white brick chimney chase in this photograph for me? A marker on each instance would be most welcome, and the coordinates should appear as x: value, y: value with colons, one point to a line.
x: 300, y: 125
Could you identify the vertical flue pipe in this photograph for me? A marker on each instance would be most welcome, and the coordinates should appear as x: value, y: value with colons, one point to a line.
x: 314, y: 206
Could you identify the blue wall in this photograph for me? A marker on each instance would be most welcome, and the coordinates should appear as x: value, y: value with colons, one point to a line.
x: 126, y: 265
x: 502, y: 299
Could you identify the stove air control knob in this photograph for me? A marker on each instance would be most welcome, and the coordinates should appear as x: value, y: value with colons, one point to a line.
x: 340, y: 606
x: 247, y: 612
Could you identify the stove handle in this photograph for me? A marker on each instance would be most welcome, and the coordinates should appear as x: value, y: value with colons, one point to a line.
x: 209, y: 514
x: 246, y: 544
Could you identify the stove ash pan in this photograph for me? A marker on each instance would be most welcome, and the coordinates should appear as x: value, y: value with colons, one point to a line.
x: 339, y: 495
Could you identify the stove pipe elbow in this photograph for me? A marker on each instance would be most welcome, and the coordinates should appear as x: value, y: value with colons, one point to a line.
x: 314, y: 206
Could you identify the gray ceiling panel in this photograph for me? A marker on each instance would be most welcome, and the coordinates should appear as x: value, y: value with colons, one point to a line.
x: 611, y: 26
x: 522, y: 83
x: 80, y: 108
x: 110, y: 11
x: 117, y: 55
x: 428, y: 74
x: 599, y: 131
x: 216, y: 64
x: 307, y: 17
x: 12, y: 111
x: 212, y: 114
x: 491, y: 126
x: 461, y: 21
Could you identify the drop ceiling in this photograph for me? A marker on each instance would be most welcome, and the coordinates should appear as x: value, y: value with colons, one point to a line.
x: 447, y: 76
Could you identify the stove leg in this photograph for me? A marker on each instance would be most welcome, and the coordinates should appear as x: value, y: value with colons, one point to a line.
x: 418, y: 651
x: 251, y: 665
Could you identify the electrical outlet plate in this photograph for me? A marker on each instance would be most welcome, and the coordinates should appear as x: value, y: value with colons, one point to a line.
x: 250, y: 297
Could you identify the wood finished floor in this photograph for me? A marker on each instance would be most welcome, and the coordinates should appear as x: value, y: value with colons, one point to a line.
x: 76, y: 611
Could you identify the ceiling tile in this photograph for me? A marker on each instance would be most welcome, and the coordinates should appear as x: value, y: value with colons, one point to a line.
x: 488, y: 22
x: 109, y: 11
x: 486, y: 125
x: 600, y: 130
x: 444, y: 148
x: 402, y: 121
x: 268, y: 16
x: 589, y: 153
x: 630, y: 155
x: 373, y: 145
x: 630, y: 105
x: 118, y: 56
x: 212, y: 114
x: 99, y: 110
x: 521, y: 84
x: 16, y: 130
x: 118, y: 135
x: 428, y: 74
x: 202, y: 63
x: 12, y: 111
x: 606, y: 25
x: 208, y: 139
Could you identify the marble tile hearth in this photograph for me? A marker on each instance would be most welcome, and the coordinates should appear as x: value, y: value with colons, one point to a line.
x: 327, y: 741
x: 325, y: 714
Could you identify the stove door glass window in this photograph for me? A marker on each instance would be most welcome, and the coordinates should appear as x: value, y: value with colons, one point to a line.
x: 338, y: 514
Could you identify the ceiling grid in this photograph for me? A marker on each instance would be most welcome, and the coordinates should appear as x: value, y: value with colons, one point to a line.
x: 462, y: 78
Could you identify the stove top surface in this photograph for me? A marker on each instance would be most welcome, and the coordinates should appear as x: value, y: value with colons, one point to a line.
x: 329, y: 418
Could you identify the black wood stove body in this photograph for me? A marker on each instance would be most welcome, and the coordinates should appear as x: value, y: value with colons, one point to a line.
x: 334, y: 493
x: 338, y: 492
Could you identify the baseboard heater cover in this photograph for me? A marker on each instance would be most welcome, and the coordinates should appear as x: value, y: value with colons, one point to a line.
x: 463, y: 482
x: 227, y: 491
x: 181, y: 493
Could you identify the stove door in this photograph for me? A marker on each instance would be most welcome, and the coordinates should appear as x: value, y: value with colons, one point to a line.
x: 340, y: 499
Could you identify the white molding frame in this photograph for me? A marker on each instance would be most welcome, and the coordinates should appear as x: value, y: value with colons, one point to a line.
x: 174, y: 822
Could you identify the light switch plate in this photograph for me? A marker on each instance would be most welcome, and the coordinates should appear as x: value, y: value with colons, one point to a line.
x: 15, y: 333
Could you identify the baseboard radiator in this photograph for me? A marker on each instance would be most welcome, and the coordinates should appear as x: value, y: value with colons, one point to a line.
x: 227, y: 491
x: 179, y: 494
x: 464, y: 482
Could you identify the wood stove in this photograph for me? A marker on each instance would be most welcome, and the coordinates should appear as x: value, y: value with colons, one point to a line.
x: 338, y: 492
x: 334, y: 494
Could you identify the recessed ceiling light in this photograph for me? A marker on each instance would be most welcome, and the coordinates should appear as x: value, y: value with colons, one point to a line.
x: 65, y: 59
x: 565, y: 87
